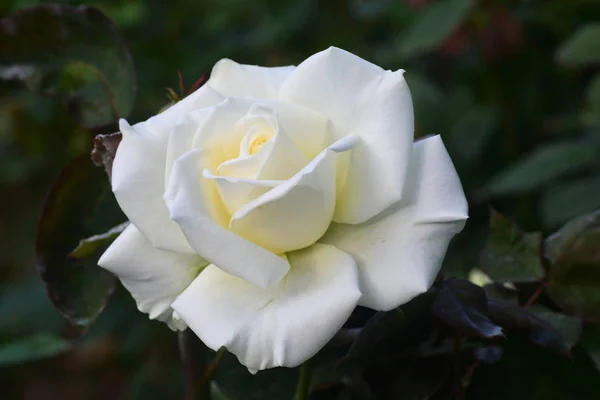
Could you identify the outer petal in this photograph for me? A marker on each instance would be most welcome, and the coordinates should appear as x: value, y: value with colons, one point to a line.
x: 282, y: 326
x: 154, y: 277
x: 160, y: 124
x: 140, y: 169
x: 399, y: 253
x: 138, y: 182
x: 294, y: 214
x: 239, y: 80
x: 361, y: 99
x: 195, y: 205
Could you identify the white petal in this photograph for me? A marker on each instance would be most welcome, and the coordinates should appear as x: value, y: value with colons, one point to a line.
x: 239, y: 80
x: 235, y: 192
x: 277, y: 159
x: 360, y: 99
x: 196, y: 206
x: 154, y: 277
x: 400, y: 252
x: 294, y: 214
x: 282, y: 326
x: 222, y: 130
x: 138, y: 182
x: 160, y: 124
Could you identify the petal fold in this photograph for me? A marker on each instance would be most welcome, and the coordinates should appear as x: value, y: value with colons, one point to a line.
x: 296, y: 213
x: 399, y: 252
x: 153, y: 277
x: 196, y: 206
x: 268, y: 328
x: 360, y: 99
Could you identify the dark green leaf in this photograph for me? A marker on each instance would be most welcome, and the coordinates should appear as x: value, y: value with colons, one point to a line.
x: 31, y: 348
x: 88, y: 246
x: 236, y: 383
x: 380, y: 327
x: 391, y: 335
x: 463, y: 306
x: 566, y: 200
x: 542, y: 166
x: 75, y: 53
x: 590, y: 341
x: 568, y: 326
x: 511, y: 255
x: 488, y: 354
x: 574, y: 279
x: 434, y: 25
x: 528, y: 372
x: 80, y: 204
x: 582, y: 48
x: 416, y: 379
x: 593, y: 94
x: 472, y: 131
x: 540, y: 332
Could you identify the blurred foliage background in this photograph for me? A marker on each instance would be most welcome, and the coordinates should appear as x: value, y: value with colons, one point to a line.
x: 513, y: 86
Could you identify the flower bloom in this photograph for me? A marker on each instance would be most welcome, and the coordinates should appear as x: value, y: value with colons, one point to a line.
x: 269, y: 203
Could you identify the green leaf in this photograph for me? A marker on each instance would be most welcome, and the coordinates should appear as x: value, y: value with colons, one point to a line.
x: 416, y: 379
x: 582, y: 48
x: 236, y: 383
x: 511, y: 255
x: 593, y: 94
x: 574, y: 278
x: 434, y: 25
x: 567, y: 200
x: 391, y: 335
x: 31, y: 348
x: 540, y: 332
x: 472, y: 131
x: 80, y: 204
x: 542, y: 166
x: 463, y: 306
x: 528, y: 372
x: 590, y: 341
x: 76, y: 53
x: 87, y: 247
x: 568, y: 326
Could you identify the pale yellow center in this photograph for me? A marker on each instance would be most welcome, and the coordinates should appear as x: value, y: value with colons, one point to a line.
x: 257, y: 142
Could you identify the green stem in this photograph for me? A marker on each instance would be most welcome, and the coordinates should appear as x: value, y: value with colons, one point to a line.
x: 188, y: 364
x: 303, y: 389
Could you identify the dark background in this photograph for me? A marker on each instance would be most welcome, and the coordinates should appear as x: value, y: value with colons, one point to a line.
x: 512, y: 89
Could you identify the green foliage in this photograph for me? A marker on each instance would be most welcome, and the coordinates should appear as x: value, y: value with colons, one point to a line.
x: 80, y: 204
x: 582, y: 48
x: 31, y: 348
x: 574, y: 279
x: 510, y: 255
x: 543, y: 166
x: 77, y: 54
x: 434, y: 25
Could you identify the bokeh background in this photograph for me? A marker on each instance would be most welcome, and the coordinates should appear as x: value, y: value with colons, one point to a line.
x: 513, y: 87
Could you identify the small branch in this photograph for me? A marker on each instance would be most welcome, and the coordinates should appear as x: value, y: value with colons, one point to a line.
x: 211, y: 368
x: 537, y: 293
x: 303, y: 388
x: 188, y: 364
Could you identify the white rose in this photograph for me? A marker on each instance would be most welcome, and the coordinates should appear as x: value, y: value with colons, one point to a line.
x: 269, y: 203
